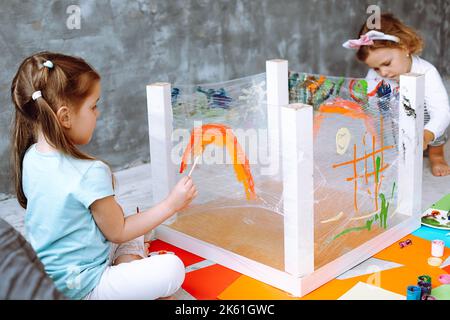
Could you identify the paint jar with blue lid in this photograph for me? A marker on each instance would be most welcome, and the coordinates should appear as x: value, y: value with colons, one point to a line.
x: 413, y: 293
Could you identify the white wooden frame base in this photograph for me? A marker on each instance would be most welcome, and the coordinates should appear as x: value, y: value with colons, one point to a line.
x: 296, y: 286
x: 302, y: 279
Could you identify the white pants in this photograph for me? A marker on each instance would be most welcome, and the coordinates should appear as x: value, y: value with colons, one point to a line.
x: 146, y: 279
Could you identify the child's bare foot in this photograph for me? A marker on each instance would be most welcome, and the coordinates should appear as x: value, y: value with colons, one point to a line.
x: 439, y: 167
x: 126, y: 258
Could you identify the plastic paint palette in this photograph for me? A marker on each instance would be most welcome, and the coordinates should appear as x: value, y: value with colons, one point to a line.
x: 434, y: 218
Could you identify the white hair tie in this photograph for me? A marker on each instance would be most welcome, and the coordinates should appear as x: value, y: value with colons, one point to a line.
x: 48, y: 64
x: 36, y: 94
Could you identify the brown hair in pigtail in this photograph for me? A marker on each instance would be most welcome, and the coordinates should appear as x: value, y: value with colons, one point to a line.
x: 62, y: 80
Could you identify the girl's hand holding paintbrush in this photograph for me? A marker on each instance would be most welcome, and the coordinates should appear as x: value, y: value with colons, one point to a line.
x: 183, y: 193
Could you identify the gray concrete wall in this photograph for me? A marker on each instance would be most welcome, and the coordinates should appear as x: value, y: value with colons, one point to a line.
x: 136, y: 42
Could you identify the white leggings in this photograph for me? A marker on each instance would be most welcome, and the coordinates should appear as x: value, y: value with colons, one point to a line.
x: 146, y: 279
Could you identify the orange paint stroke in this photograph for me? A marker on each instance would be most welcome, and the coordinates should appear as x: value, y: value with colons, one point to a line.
x: 366, y: 178
x: 362, y: 158
x: 378, y: 185
x: 354, y: 161
x: 345, y: 108
x: 368, y: 174
x: 374, y: 166
x: 381, y: 138
x: 315, y: 85
x: 355, y: 203
x: 222, y: 136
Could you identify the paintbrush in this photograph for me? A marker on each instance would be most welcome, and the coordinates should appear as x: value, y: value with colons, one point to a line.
x: 193, y: 166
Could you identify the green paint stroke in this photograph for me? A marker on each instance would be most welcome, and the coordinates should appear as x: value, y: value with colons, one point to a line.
x: 360, y: 92
x: 393, y: 188
x: 350, y: 230
x: 383, y: 211
x: 381, y: 217
x: 369, y: 224
x: 338, y: 86
x: 361, y: 87
x: 377, y: 171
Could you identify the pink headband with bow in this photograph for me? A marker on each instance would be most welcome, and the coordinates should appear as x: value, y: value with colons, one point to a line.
x: 367, y: 39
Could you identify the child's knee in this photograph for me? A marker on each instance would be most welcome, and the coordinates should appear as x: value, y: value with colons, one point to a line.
x: 176, y: 271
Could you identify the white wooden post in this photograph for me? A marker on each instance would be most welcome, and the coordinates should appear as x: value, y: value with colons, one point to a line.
x: 411, y: 117
x: 298, y: 188
x: 277, y: 96
x: 159, y: 109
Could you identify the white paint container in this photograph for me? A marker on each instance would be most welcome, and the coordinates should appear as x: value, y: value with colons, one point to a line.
x: 437, y: 248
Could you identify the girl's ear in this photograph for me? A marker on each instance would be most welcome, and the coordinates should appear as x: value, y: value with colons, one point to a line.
x: 406, y: 52
x: 64, y: 117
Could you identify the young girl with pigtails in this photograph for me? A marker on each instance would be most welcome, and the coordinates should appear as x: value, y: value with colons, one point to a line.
x: 78, y: 230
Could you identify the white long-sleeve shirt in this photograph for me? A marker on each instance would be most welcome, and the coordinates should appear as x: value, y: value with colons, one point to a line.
x: 436, y: 97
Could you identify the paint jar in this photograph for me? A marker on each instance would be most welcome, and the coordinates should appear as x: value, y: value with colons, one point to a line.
x: 424, y: 278
x: 413, y: 293
x: 437, y: 248
x: 425, y: 288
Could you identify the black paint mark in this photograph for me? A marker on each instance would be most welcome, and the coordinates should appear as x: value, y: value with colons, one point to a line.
x: 407, y: 105
x: 404, y: 151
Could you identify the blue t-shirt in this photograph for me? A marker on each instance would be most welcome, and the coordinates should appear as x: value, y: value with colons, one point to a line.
x: 58, y: 223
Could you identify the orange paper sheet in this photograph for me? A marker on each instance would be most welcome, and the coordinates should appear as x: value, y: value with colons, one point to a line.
x: 207, y: 283
x: 413, y: 257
